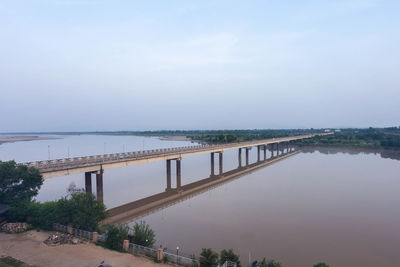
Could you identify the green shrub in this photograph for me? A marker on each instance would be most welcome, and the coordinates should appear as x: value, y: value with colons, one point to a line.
x: 115, y: 236
x: 143, y: 235
x: 229, y: 255
x: 208, y: 257
x: 82, y: 211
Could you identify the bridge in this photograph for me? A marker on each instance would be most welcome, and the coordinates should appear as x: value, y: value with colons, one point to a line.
x: 98, y: 163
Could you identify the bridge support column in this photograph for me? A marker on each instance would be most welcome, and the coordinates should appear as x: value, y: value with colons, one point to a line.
x: 221, y: 172
x: 265, y: 152
x: 212, y: 164
x: 178, y: 173
x: 240, y: 157
x: 258, y: 153
x: 287, y: 147
x: 277, y: 149
x: 168, y: 174
x: 247, y: 156
x: 99, y: 185
x: 271, y: 147
x: 88, y: 182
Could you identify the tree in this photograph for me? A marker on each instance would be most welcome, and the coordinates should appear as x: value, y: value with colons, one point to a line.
x: 208, y: 257
x: 143, y: 235
x: 229, y: 255
x: 82, y: 211
x: 18, y: 182
x: 269, y: 263
x: 321, y: 264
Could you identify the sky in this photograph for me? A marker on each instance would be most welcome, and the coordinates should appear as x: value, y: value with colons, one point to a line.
x: 96, y: 65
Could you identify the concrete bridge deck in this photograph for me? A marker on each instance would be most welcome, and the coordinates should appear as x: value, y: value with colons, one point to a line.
x: 96, y: 164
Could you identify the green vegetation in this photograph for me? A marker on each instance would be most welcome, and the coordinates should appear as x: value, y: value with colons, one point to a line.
x: 321, y: 264
x: 18, y: 182
x: 229, y: 255
x: 208, y: 257
x: 81, y: 210
x: 269, y: 263
x: 143, y: 235
x: 370, y: 138
x: 115, y: 236
x: 11, y: 262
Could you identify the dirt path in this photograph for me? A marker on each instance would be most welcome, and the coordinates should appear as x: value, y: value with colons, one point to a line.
x: 29, y: 248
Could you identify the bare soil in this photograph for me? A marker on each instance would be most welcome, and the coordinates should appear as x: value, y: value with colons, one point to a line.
x: 29, y: 248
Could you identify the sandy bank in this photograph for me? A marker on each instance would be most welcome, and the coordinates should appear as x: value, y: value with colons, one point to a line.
x: 19, y: 138
x: 175, y: 138
x: 29, y: 247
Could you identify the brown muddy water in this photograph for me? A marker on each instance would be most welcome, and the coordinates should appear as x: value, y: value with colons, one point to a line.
x: 333, y: 205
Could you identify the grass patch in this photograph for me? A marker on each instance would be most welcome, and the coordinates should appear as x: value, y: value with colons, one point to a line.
x: 11, y: 262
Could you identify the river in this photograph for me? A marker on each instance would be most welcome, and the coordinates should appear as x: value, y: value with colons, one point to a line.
x: 332, y: 205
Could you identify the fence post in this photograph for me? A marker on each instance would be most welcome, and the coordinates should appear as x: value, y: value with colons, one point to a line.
x: 95, y: 237
x: 125, y: 245
x: 69, y: 229
x: 160, y: 254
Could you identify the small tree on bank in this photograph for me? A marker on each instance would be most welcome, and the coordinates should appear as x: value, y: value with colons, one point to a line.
x: 321, y: 264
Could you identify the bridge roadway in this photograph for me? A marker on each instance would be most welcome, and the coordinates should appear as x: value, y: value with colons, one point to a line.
x: 95, y: 164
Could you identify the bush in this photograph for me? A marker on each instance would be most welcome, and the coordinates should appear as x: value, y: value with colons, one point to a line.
x: 82, y: 211
x: 115, y: 236
x: 270, y: 263
x: 143, y: 235
x: 208, y: 257
x: 321, y: 264
x: 229, y: 255
x: 42, y: 215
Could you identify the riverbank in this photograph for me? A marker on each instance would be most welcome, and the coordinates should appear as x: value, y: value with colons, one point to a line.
x: 20, y: 138
x: 29, y: 248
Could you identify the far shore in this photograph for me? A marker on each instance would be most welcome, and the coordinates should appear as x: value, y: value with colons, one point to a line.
x: 21, y: 138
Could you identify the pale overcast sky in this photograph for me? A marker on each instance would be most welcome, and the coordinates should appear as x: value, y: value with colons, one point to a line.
x: 69, y: 65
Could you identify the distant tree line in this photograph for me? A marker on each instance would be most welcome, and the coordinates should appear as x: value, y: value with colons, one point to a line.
x: 368, y: 138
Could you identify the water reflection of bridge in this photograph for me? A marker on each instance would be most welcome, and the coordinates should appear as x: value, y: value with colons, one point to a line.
x: 145, y: 206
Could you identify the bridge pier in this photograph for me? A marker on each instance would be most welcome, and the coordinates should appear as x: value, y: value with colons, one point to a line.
x: 221, y: 172
x: 212, y: 164
x: 178, y: 173
x: 265, y: 152
x: 271, y: 146
x: 168, y: 175
x: 258, y: 153
x: 247, y: 156
x: 99, y: 185
x: 240, y: 157
x: 277, y: 149
x: 88, y: 182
